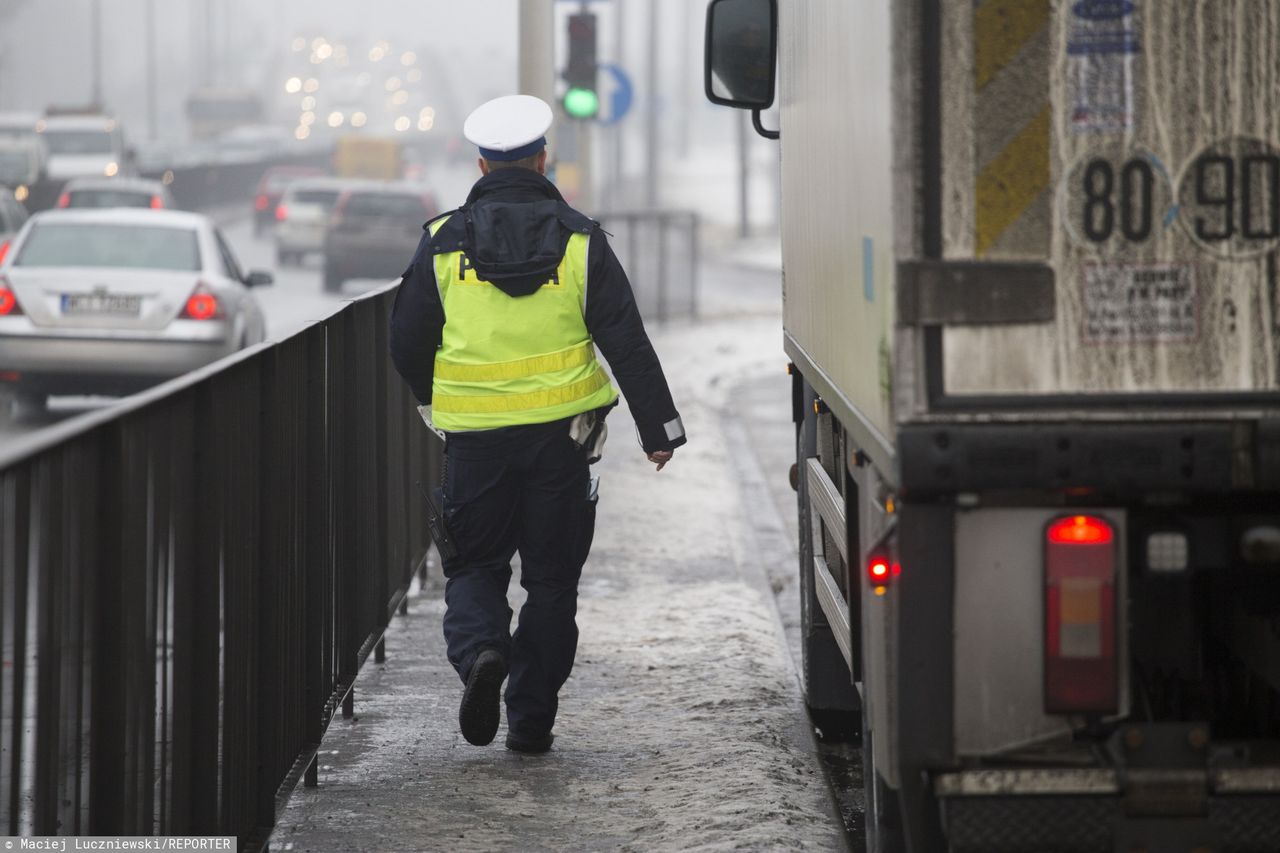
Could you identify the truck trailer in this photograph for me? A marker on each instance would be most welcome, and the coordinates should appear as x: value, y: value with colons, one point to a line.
x: 1030, y: 301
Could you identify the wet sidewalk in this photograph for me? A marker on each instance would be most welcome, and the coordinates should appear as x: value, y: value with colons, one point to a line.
x: 682, y: 726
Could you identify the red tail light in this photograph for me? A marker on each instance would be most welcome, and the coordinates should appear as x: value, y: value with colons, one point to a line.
x: 881, y: 570
x: 202, y: 305
x: 157, y: 203
x: 282, y: 213
x: 9, y: 306
x: 64, y: 200
x: 261, y: 202
x: 1080, y: 669
x: 4, y: 251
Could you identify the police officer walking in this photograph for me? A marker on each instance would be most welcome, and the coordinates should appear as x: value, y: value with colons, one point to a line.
x: 495, y: 329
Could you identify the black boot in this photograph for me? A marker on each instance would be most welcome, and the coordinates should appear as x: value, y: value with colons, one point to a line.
x: 480, y: 711
x: 532, y: 745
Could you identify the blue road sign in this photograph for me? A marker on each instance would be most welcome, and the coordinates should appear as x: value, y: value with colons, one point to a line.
x: 623, y: 94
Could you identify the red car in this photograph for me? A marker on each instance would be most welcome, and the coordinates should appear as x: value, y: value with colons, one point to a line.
x: 270, y: 189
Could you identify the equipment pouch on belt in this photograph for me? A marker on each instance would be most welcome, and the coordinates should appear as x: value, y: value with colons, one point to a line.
x: 435, y: 521
x: 588, y: 431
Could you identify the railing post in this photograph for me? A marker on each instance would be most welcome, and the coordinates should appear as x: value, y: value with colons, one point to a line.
x: 318, y: 534
x: 205, y: 615
x: 184, y: 451
x: 312, y: 777
x: 16, y: 493
x: 107, y: 682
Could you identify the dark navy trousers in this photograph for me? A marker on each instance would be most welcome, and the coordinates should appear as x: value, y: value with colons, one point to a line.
x: 517, y: 489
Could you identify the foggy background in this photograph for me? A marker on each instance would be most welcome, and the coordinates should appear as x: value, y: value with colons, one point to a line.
x: 466, y: 52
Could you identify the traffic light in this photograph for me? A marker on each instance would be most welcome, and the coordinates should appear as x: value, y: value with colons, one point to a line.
x: 581, y: 100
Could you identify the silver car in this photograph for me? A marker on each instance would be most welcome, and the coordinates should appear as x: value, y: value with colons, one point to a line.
x: 112, y: 301
x: 116, y: 192
x: 302, y: 216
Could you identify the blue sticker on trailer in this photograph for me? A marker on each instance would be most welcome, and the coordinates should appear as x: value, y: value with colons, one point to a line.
x: 1104, y: 44
x: 1103, y: 26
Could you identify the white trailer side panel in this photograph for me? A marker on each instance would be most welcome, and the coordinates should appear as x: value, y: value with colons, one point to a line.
x: 838, y: 207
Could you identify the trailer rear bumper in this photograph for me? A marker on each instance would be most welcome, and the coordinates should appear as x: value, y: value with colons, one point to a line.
x: 1105, y: 810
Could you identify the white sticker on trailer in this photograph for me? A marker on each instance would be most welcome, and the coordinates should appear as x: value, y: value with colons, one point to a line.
x: 1128, y: 303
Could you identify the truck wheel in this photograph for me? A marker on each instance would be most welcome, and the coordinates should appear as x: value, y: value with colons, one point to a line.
x: 832, y: 699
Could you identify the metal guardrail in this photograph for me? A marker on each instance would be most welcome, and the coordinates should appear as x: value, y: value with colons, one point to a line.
x: 199, y: 186
x: 659, y: 250
x: 191, y: 580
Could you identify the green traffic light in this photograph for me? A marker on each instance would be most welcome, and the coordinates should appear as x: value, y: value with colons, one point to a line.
x: 581, y: 103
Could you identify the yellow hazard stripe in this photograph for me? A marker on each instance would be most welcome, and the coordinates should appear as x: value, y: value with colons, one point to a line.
x: 518, y: 369
x: 521, y: 402
x: 1012, y: 182
x: 1000, y: 29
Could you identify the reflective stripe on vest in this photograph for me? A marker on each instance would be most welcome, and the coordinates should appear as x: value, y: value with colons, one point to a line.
x: 505, y: 360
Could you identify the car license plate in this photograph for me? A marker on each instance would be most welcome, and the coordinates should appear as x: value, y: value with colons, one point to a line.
x: 100, y: 304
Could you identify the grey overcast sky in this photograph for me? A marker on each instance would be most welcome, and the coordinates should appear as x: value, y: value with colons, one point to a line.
x: 45, y: 47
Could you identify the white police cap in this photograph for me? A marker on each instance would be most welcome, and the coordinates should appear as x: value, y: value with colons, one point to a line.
x: 509, y: 128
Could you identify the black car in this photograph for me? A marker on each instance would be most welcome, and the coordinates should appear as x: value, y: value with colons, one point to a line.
x: 374, y: 231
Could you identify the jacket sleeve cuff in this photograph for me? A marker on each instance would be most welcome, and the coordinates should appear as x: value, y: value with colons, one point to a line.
x: 661, y: 436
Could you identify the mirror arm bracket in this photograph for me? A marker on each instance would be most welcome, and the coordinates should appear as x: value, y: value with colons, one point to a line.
x: 761, y: 129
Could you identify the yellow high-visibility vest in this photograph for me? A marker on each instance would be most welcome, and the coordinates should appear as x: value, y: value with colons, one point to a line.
x: 505, y: 360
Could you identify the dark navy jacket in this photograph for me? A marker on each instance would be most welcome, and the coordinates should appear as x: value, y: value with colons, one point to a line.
x: 519, y: 220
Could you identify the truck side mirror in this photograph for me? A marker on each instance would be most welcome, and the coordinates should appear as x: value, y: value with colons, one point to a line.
x: 741, y: 58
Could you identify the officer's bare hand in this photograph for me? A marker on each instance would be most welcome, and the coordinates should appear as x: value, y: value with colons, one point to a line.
x: 660, y: 458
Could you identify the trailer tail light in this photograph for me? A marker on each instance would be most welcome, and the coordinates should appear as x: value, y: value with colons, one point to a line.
x: 1080, y: 669
x: 4, y: 251
x: 881, y: 570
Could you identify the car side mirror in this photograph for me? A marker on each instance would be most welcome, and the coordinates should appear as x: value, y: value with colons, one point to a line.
x: 741, y: 58
x: 258, y: 278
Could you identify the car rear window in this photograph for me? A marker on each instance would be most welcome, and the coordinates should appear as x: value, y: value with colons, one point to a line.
x: 324, y: 198
x: 96, y: 244
x: 384, y: 204
x: 109, y: 198
x: 279, y: 181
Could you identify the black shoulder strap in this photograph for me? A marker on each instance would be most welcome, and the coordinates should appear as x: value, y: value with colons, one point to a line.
x: 575, y: 221
x: 450, y: 236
